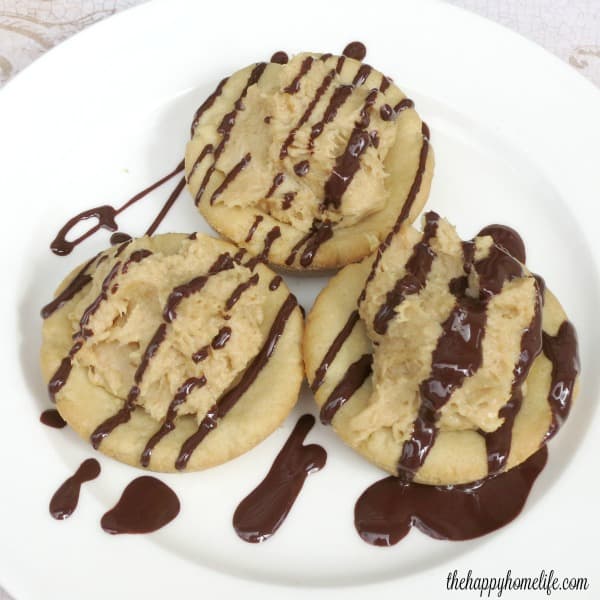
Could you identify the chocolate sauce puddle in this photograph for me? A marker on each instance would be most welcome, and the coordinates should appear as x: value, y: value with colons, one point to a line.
x: 52, y: 418
x: 147, y: 504
x: 262, y: 512
x: 105, y: 216
x: 64, y: 502
x: 388, y: 509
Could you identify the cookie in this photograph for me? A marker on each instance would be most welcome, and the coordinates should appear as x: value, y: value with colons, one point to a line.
x: 165, y: 352
x: 310, y: 162
x: 442, y: 361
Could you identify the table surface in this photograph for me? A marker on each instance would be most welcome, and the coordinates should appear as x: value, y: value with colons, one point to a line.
x: 569, y: 29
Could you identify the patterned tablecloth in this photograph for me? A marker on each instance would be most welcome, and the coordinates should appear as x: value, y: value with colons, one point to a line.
x: 568, y: 28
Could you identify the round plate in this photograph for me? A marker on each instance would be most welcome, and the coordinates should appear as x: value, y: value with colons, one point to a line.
x: 106, y: 113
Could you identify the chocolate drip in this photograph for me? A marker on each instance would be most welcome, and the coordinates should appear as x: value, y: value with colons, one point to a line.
x: 374, y: 139
x: 332, y: 351
x: 294, y: 87
x: 169, y: 423
x: 319, y: 233
x: 224, y: 262
x: 206, y: 105
x: 287, y: 200
x: 275, y: 282
x: 208, y: 149
x: 404, y: 213
x: 166, y: 207
x: 325, y: 57
x: 201, y: 354
x: 340, y: 64
x: 507, y: 238
x: 498, y: 442
x: 302, y: 168
x: 356, y: 374
x: 277, y: 181
x: 280, y: 58
x: 179, y: 293
x: 364, y: 117
x: 561, y: 351
x: 221, y: 338
x: 388, y: 509
x: 237, y: 257
x: 123, y: 416
x: 119, y: 237
x: 385, y: 83
x: 339, y: 96
x: 458, y: 355
x: 239, y: 290
x: 147, y: 504
x: 121, y: 248
x: 81, y: 279
x: 261, y: 513
x: 417, y: 271
x: 91, y: 310
x: 59, y: 379
x: 106, y: 217
x: 239, y: 167
x: 362, y: 75
x: 225, y: 128
x: 495, y: 269
x: 387, y: 113
x: 64, y: 502
x: 355, y: 50
x: 52, y: 418
x: 346, y: 166
x: 257, y: 221
x: 230, y: 398
x: 306, y: 115
x: 271, y: 236
x: 136, y: 256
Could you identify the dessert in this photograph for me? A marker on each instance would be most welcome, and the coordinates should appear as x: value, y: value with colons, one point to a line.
x: 442, y: 361
x: 308, y: 162
x: 162, y: 351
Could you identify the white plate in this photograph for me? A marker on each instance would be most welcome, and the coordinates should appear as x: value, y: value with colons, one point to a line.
x: 515, y: 134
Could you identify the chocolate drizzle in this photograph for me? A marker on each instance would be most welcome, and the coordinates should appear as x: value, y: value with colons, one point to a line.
x: 417, y: 270
x: 332, y: 351
x: 288, y: 198
x: 302, y: 168
x: 222, y: 263
x: 239, y: 167
x: 271, y: 236
x: 221, y: 338
x: 169, y: 423
x: 388, y: 509
x: 225, y: 128
x: 404, y: 213
x: 230, y: 398
x: 327, y: 80
x: 294, y: 87
x: 339, y: 96
x: 277, y: 181
x: 262, y: 512
x: 252, y: 230
x: 239, y: 290
x: 207, y: 104
x: 319, y: 233
x: 561, y: 351
x: 356, y: 374
x: 275, y: 282
x: 65, y: 500
x: 81, y: 279
x: 507, y: 238
x: 52, y: 418
x: 147, y: 504
x: 498, y: 442
x: 106, y: 215
x: 346, y: 166
x: 119, y: 237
